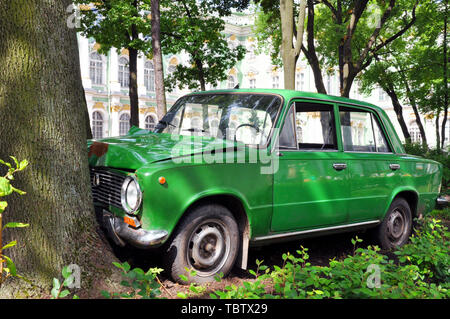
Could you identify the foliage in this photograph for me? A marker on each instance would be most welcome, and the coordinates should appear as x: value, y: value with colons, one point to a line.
x: 58, y: 290
x: 7, y: 189
x: 194, y: 289
x: 412, y: 65
x: 196, y: 28
x: 429, y: 249
x: 110, y: 23
x: 367, y: 273
x: 145, y: 285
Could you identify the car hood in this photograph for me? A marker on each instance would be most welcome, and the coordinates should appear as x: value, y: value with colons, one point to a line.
x: 140, y: 147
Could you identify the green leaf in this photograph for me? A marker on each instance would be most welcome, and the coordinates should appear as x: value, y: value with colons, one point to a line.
x: 5, y: 187
x: 5, y: 163
x: 64, y: 293
x: 15, y: 161
x: 23, y: 164
x: 18, y: 191
x: 106, y: 294
x: 9, y: 245
x: 3, y: 206
x: 56, y: 283
x: 66, y: 272
x: 15, y: 225
x: 11, y: 266
x: 182, y: 295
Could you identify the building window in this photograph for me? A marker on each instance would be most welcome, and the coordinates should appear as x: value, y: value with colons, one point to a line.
x: 97, y: 125
x: 149, y: 76
x: 124, y: 72
x: 300, y: 81
x: 252, y: 83
x: 96, y: 68
x: 415, y: 133
x: 382, y: 96
x: 150, y: 123
x: 231, y: 82
x: 124, y: 124
x: 275, y: 82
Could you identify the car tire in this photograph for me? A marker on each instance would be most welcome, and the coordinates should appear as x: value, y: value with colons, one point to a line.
x: 206, y: 241
x: 396, y: 227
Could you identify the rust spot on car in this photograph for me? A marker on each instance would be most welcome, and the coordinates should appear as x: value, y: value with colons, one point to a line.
x: 98, y: 149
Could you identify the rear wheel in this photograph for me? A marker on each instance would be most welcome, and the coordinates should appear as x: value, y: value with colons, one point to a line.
x: 396, y: 227
x: 206, y: 241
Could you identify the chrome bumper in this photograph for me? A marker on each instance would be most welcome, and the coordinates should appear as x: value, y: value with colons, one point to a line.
x: 441, y: 202
x: 120, y: 233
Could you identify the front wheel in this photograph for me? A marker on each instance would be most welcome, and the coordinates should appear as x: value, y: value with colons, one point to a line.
x: 396, y: 227
x: 206, y: 241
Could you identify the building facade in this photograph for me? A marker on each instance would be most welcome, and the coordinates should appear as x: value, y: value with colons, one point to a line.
x: 105, y: 80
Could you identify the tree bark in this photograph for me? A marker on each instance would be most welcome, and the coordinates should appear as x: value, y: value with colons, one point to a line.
x: 133, y: 93
x: 399, y: 112
x: 310, y: 52
x: 157, y: 59
x: 444, y: 121
x: 290, y: 51
x: 42, y: 111
x: 133, y: 88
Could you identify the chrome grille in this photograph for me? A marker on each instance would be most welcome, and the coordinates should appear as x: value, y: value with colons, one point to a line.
x: 106, y: 186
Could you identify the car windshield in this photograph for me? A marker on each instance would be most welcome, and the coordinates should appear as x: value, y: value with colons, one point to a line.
x: 244, y: 117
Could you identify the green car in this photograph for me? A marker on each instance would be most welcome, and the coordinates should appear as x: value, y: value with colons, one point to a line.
x: 225, y: 170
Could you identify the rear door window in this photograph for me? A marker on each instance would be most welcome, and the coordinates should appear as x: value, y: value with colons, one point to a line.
x: 361, y: 131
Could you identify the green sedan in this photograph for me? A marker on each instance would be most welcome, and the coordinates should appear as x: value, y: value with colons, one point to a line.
x: 224, y: 170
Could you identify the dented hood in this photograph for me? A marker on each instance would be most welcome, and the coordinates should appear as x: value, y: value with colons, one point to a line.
x: 141, y: 147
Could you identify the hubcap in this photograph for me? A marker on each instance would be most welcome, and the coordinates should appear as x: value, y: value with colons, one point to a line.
x: 396, y: 225
x: 208, y: 247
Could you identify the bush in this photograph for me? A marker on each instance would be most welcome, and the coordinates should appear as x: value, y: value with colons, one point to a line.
x: 420, y: 273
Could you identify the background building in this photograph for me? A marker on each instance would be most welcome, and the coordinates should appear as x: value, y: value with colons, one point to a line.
x: 105, y: 80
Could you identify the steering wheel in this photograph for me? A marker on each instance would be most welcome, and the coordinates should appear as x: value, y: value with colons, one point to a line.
x: 245, y: 124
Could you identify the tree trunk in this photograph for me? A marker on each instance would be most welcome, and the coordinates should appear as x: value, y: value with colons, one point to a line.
x: 42, y: 111
x: 310, y: 52
x: 399, y: 112
x: 134, y: 97
x: 412, y: 101
x: 444, y: 121
x: 289, y: 50
x: 133, y: 88
x: 438, y: 137
x: 201, y: 74
x: 157, y: 59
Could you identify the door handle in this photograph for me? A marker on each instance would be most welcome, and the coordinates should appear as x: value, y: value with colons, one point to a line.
x: 394, y: 167
x: 339, y: 166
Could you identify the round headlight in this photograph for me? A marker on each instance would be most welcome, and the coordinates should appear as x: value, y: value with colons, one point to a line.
x: 131, y: 195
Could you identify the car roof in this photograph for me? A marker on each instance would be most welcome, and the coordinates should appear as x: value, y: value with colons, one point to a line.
x: 290, y: 94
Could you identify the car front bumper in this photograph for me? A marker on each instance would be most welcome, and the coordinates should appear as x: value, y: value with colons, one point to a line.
x: 441, y: 202
x: 122, y: 233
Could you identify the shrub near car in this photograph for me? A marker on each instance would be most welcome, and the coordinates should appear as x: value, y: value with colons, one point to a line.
x: 224, y: 170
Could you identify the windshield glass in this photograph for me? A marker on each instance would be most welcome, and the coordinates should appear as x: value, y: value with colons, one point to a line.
x: 248, y: 117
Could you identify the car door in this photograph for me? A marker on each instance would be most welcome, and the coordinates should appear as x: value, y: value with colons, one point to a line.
x: 372, y: 166
x: 311, y: 184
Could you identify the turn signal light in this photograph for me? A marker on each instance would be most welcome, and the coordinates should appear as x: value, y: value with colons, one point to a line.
x: 162, y: 180
x: 130, y: 221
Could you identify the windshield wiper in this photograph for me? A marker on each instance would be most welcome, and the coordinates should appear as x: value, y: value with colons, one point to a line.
x: 165, y: 123
x: 192, y: 129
